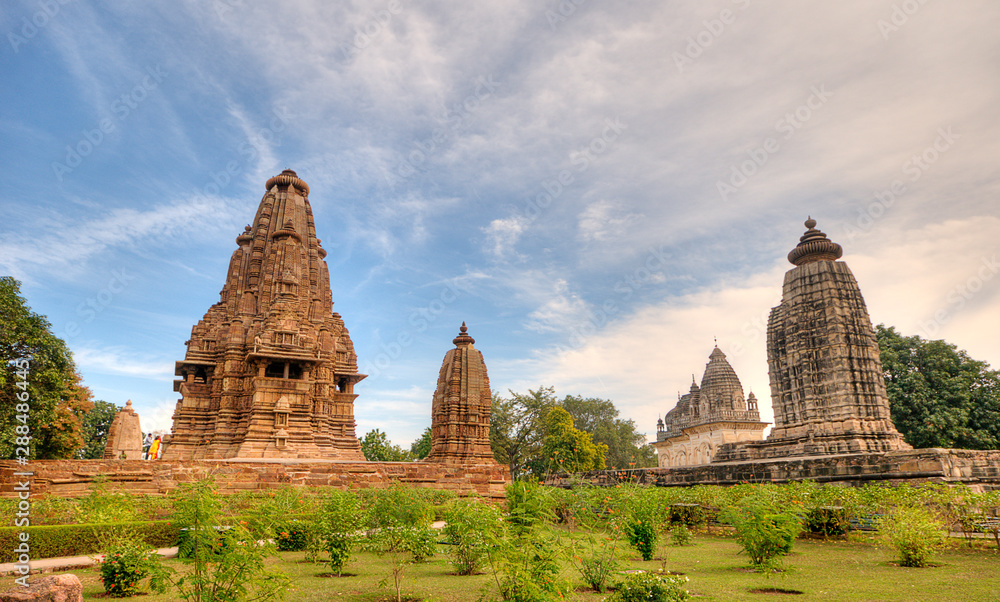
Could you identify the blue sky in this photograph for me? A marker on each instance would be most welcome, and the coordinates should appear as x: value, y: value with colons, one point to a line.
x: 598, y: 190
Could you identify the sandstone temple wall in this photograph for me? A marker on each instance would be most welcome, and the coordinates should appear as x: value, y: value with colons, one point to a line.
x: 73, y: 478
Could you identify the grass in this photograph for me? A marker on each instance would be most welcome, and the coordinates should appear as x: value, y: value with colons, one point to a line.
x: 836, y: 570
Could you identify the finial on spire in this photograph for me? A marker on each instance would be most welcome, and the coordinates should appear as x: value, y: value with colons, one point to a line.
x: 814, y: 246
x: 463, y: 337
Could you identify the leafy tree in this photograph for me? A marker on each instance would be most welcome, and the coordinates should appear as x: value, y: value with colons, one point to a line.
x: 938, y: 395
x: 377, y: 448
x: 422, y: 446
x: 96, y: 424
x: 568, y: 448
x: 627, y: 448
x: 35, y: 362
x: 516, y: 429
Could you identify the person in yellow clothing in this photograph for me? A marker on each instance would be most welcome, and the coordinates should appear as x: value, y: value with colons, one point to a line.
x: 154, y: 449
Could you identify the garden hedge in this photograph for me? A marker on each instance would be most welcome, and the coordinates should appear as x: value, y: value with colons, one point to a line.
x: 53, y: 541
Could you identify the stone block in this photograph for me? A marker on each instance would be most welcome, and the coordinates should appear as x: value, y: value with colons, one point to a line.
x: 52, y: 588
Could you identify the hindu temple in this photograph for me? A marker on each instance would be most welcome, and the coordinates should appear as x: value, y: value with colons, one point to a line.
x: 460, y: 411
x: 270, y: 370
x: 708, y: 416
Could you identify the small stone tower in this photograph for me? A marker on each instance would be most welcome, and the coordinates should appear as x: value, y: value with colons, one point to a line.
x: 460, y: 415
x: 270, y: 370
x: 124, y: 436
x: 823, y: 361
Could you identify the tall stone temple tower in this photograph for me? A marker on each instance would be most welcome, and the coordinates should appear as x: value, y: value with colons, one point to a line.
x: 827, y: 387
x: 270, y: 370
x: 460, y: 415
x: 708, y: 416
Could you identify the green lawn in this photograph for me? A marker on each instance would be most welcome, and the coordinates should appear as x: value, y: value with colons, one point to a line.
x: 837, y: 570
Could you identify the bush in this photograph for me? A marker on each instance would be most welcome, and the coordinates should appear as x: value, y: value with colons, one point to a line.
x: 471, y: 525
x: 690, y: 515
x: 642, y: 535
x: 650, y: 587
x: 828, y: 520
x: 914, y: 532
x: 127, y: 564
x: 293, y: 536
x: 399, y: 527
x: 599, y: 562
x: 339, y: 521
x: 763, y: 533
x: 528, y: 503
x: 680, y: 535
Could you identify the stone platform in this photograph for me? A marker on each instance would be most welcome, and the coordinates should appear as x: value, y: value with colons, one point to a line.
x: 73, y: 478
x: 978, y: 469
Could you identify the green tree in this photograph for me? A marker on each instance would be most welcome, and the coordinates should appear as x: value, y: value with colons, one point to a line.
x: 516, y: 429
x: 377, y: 448
x: 422, y: 446
x: 938, y: 395
x: 627, y: 448
x: 567, y: 448
x: 37, y: 366
x: 96, y: 424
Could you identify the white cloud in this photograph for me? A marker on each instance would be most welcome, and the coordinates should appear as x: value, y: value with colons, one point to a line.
x: 123, y: 362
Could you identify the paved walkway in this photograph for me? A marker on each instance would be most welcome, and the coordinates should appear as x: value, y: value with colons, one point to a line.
x: 48, y: 565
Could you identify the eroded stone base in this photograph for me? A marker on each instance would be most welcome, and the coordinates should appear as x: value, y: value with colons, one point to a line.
x: 73, y: 478
x: 978, y: 469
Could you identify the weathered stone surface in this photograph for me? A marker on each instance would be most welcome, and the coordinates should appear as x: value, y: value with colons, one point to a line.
x: 707, y: 417
x: 827, y: 388
x: 270, y: 370
x: 124, y: 436
x: 52, y: 588
x: 978, y: 469
x: 73, y: 478
x: 460, y: 413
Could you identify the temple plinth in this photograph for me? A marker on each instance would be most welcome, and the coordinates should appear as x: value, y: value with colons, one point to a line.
x: 270, y: 370
x: 460, y: 414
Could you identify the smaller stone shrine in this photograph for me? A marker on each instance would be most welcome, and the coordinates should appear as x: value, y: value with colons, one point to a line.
x: 460, y: 414
x: 707, y: 417
x: 124, y: 436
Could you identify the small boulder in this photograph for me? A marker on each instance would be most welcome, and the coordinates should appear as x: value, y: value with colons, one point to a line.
x: 52, y: 588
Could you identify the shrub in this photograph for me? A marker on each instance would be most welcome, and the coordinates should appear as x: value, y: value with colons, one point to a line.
x: 526, y: 570
x: 687, y: 514
x: 763, y: 533
x: 598, y: 562
x: 293, y: 536
x: 827, y: 520
x: 641, y: 533
x: 680, y: 535
x: 399, y: 527
x: 650, y: 587
x: 339, y: 521
x: 914, y: 532
x: 228, y: 564
x: 528, y: 503
x: 471, y: 525
x: 127, y: 564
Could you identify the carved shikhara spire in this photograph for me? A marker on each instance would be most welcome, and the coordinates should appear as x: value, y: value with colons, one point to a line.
x: 270, y: 370
x: 825, y: 372
x: 460, y: 415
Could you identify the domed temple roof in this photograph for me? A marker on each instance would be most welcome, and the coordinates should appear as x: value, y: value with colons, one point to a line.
x: 720, y: 387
